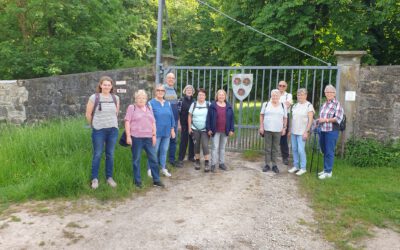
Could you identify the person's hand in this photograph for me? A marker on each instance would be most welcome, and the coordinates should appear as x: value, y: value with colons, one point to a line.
x: 179, y: 127
x: 283, y: 131
x: 287, y: 103
x: 154, y: 140
x: 231, y: 133
x: 305, y: 136
x: 209, y: 133
x: 261, y: 131
x: 128, y: 140
x: 190, y: 131
x: 288, y: 133
x: 322, y: 120
x: 173, y: 134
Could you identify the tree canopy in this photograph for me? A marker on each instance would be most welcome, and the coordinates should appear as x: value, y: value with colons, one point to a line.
x: 48, y: 37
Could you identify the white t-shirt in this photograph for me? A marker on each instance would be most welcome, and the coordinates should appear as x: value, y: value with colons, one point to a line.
x: 199, y: 115
x: 300, y: 117
x: 286, y: 97
x: 273, y: 116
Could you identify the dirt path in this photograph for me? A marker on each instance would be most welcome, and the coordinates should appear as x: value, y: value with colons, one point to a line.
x: 242, y: 208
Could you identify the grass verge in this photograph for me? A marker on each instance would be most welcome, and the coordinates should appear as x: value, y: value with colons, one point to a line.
x: 354, y: 200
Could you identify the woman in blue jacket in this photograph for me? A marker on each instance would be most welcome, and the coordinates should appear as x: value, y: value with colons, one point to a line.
x: 219, y: 125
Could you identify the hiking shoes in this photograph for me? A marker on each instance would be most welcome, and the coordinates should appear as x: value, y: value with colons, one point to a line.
x: 197, y: 165
x: 266, y: 168
x: 293, y: 170
x: 95, y: 183
x: 111, y: 182
x: 275, y: 169
x: 222, y: 166
x: 138, y: 185
x: 286, y: 161
x: 179, y: 164
x: 158, y: 184
x: 301, y: 172
x: 213, y: 168
x: 325, y: 176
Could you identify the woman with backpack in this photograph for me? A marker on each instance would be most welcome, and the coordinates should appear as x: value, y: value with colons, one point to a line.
x: 140, y: 128
x: 330, y: 117
x: 300, y: 126
x: 101, y: 113
x: 197, y: 129
x: 220, y: 125
x: 273, y: 121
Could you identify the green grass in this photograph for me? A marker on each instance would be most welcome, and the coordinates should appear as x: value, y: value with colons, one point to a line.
x: 353, y: 200
x: 53, y: 160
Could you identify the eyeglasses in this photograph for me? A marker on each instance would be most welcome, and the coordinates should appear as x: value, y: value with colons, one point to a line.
x: 329, y: 92
x: 283, y: 86
x: 160, y: 90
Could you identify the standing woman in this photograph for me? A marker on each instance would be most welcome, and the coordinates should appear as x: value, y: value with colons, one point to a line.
x: 101, y: 113
x: 165, y: 124
x: 220, y: 125
x: 273, y: 120
x: 197, y: 128
x: 140, y: 127
x: 330, y: 116
x: 302, y: 113
x: 183, y: 107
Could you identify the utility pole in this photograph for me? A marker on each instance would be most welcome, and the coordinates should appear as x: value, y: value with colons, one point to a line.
x: 159, y: 41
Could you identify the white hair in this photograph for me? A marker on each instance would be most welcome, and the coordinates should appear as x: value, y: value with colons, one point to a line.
x: 275, y: 91
x: 330, y: 87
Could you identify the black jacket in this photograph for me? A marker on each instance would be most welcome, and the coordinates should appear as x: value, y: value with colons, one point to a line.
x: 183, y: 107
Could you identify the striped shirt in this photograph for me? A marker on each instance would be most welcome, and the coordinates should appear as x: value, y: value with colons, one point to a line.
x: 107, y: 117
x: 331, y: 109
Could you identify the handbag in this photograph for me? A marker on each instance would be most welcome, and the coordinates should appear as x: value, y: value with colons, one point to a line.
x: 122, y: 140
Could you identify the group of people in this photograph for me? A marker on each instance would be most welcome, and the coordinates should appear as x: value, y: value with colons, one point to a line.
x: 276, y: 128
x: 153, y: 126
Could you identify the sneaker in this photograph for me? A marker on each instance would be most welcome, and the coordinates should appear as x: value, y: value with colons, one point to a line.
x: 222, y: 166
x: 179, y: 164
x: 95, y: 183
x: 172, y: 163
x: 158, y: 184
x: 301, y: 172
x: 325, y: 176
x: 138, y: 185
x: 286, y: 161
x: 111, y: 182
x: 266, y: 168
x: 192, y: 160
x: 321, y: 173
x: 293, y: 170
x: 275, y: 169
x: 149, y: 173
x: 197, y: 165
x: 213, y: 168
x: 165, y: 172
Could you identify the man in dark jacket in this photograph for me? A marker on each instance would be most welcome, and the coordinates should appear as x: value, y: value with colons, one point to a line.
x: 219, y: 125
x: 183, y: 109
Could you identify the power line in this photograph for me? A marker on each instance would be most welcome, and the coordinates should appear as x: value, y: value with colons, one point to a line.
x: 260, y: 32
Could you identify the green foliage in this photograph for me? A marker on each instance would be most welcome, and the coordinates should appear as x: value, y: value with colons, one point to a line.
x: 372, y: 153
x: 53, y: 159
x: 353, y: 200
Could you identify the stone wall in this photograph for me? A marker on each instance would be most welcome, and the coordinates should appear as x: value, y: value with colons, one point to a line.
x: 67, y: 95
x: 378, y: 111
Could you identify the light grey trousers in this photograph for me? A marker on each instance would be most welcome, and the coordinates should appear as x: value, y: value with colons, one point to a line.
x: 272, y: 140
x: 218, y: 148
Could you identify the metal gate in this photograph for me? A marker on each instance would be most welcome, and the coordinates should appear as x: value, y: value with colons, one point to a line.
x: 265, y: 78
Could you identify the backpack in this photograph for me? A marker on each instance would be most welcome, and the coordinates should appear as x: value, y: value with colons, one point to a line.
x: 195, y: 104
x: 97, y: 101
x: 266, y: 105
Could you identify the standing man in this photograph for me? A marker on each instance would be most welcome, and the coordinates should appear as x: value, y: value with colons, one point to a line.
x: 287, y: 100
x: 172, y: 97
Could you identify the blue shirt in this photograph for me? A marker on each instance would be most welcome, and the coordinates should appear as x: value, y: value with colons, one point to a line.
x: 164, y: 117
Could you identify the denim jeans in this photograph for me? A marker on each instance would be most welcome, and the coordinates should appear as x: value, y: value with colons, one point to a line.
x: 107, y: 136
x: 218, y: 148
x: 299, y: 152
x: 138, y: 144
x: 284, y: 143
x: 161, y: 151
x: 327, y: 142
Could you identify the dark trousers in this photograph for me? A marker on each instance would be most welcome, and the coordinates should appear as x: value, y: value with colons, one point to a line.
x: 284, y: 143
x: 185, y: 138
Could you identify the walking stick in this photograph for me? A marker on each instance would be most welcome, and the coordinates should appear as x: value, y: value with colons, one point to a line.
x: 314, y: 130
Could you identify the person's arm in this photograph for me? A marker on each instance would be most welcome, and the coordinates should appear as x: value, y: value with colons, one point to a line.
x: 118, y: 106
x: 309, y: 124
x: 261, y: 129
x: 284, y: 125
x: 154, y: 134
x: 89, y: 112
x: 128, y: 132
x: 208, y: 123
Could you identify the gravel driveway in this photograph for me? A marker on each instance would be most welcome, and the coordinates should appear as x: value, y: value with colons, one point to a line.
x: 242, y: 208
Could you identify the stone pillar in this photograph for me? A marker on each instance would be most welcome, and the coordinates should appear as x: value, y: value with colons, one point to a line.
x: 349, y: 63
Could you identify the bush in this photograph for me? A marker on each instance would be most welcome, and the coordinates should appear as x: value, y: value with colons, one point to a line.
x: 373, y: 153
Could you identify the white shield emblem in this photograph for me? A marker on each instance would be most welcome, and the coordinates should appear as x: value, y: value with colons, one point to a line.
x: 241, y: 85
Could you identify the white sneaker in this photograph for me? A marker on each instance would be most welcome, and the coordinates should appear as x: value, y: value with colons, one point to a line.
x: 301, y: 172
x: 321, y: 173
x: 325, y: 176
x: 149, y: 173
x: 165, y: 172
x: 293, y: 170
x: 111, y: 182
x: 95, y: 183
